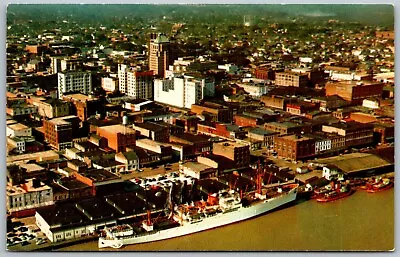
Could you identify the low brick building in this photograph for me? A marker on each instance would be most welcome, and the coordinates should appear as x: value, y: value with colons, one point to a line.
x: 274, y: 101
x: 294, y: 147
x: 84, y: 106
x: 153, y: 131
x: 301, y: 107
x: 59, y: 132
x: 353, y: 91
x: 213, y: 112
x: 119, y: 137
x: 222, y: 130
x: 246, y: 121
x: 291, y: 79
x: 238, y: 153
x: 355, y: 133
x: 188, y: 122
x: 284, y: 128
x: 263, y: 135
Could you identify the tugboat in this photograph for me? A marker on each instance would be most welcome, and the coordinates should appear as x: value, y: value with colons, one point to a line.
x: 318, y: 192
x: 341, y: 192
x: 379, y: 185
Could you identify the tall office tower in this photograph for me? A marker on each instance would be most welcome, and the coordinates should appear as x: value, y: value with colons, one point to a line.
x: 139, y: 84
x: 159, y: 54
x: 122, y: 69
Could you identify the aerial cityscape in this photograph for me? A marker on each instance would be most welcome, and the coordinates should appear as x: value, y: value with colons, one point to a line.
x: 200, y: 127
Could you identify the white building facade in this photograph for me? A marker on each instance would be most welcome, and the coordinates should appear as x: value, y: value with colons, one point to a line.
x: 139, y: 85
x: 323, y: 145
x: 74, y: 82
x: 182, y: 91
x: 135, y: 83
x: 109, y: 84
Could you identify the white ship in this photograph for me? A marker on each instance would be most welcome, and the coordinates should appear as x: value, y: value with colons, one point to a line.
x: 223, y: 208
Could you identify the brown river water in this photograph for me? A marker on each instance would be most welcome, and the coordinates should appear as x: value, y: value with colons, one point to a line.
x: 363, y: 221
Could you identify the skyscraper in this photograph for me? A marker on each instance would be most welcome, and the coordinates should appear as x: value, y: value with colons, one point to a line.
x: 159, y: 54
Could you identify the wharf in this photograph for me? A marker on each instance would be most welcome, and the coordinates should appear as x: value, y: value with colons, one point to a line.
x: 48, y: 246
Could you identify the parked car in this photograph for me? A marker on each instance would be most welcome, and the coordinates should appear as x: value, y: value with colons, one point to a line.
x: 25, y: 243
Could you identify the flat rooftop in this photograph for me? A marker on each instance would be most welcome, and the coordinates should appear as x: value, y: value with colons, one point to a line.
x: 283, y: 124
x: 196, y: 166
x: 149, y: 126
x: 62, y: 215
x: 17, y: 126
x: 96, y: 209
x: 229, y: 144
x: 126, y: 203
x: 38, y: 156
x: 356, y: 162
x: 63, y: 120
x: 99, y: 175
x: 79, y: 97
x: 118, y: 128
x: 353, y: 83
x: 72, y: 184
x: 261, y: 131
x: 296, y: 138
x: 31, y: 167
x: 193, y: 138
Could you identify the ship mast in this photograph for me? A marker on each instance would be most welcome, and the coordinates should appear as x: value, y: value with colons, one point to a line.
x: 259, y: 177
x: 148, y: 217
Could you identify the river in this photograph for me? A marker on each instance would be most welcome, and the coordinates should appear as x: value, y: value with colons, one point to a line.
x: 363, y: 221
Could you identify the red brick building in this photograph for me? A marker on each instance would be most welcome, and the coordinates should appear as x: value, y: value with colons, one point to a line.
x: 264, y: 73
x: 188, y: 122
x: 95, y: 178
x: 294, y: 147
x: 238, y: 153
x: 385, y: 34
x: 198, y: 143
x: 35, y: 49
x: 384, y: 131
x: 213, y: 112
x: 246, y: 121
x: 118, y: 136
x: 355, y: 133
x: 83, y: 106
x: 59, y: 132
x: 301, y: 107
x: 220, y: 129
x: 354, y: 91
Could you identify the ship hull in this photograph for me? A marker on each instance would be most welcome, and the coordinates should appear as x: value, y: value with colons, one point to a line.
x: 334, y: 198
x: 218, y: 220
x: 373, y: 189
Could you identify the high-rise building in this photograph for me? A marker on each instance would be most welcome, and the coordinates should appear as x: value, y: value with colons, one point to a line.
x: 63, y: 63
x: 74, y: 81
x: 139, y: 84
x: 122, y: 68
x: 135, y: 83
x: 183, y: 91
x: 159, y: 55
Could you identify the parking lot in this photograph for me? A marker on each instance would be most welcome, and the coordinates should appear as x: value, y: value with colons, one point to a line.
x: 25, y: 237
x: 162, y: 180
x: 152, y: 171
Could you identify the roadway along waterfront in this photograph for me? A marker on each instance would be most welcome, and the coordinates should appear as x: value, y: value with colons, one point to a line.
x: 363, y: 221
